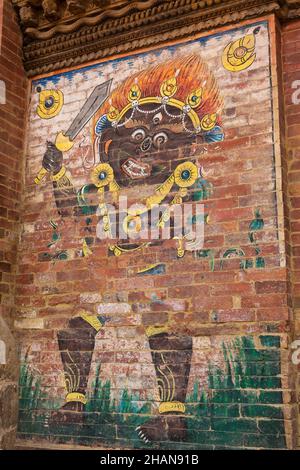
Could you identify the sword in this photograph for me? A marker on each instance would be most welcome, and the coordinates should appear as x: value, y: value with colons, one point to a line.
x: 65, y: 140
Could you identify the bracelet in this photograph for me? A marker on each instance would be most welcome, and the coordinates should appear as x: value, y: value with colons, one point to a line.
x: 60, y: 174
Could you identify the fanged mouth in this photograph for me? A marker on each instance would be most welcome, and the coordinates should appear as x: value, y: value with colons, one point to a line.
x: 136, y: 170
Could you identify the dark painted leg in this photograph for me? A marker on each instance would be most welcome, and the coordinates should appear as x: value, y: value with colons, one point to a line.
x: 172, y: 360
x: 76, y: 345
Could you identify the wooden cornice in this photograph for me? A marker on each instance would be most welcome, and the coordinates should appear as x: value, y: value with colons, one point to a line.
x: 67, y: 33
x: 38, y: 22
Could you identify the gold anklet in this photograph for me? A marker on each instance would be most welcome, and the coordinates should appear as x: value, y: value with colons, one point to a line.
x: 77, y: 397
x: 171, y: 406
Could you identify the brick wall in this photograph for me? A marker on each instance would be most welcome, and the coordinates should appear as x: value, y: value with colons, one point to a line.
x: 97, y: 330
x: 291, y: 76
x: 12, y: 136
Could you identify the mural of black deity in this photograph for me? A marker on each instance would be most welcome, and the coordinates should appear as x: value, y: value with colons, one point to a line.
x: 145, y: 134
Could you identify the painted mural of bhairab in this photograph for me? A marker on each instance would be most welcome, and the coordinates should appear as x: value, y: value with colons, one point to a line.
x: 145, y: 132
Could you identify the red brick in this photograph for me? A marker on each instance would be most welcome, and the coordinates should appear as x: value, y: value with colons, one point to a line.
x: 212, y: 302
x: 270, y: 300
x: 267, y: 287
x: 233, y: 289
x: 234, y: 315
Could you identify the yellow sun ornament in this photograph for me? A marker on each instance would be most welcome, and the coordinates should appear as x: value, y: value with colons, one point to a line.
x: 240, y: 54
x: 102, y: 175
x: 135, y: 93
x: 50, y: 103
x: 208, y: 122
x: 186, y: 174
x: 195, y: 98
x: 113, y: 114
x: 169, y: 87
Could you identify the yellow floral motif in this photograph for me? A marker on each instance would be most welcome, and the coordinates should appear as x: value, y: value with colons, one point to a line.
x: 50, y: 103
x: 169, y: 87
x: 208, y: 122
x: 195, y: 98
x: 113, y: 114
x: 102, y: 175
x: 135, y: 93
x: 239, y: 54
x: 186, y: 174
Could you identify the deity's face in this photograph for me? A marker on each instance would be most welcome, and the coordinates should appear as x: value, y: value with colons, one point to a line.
x: 148, y: 148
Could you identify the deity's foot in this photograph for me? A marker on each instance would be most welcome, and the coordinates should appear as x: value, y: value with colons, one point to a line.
x: 163, y: 428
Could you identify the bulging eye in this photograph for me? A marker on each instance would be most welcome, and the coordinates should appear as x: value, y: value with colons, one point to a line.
x: 160, y: 139
x: 138, y: 135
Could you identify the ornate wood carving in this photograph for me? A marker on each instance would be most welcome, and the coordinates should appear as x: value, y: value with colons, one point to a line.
x: 60, y: 34
x: 42, y: 19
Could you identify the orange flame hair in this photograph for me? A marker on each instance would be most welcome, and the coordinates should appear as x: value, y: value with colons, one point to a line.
x: 192, y: 73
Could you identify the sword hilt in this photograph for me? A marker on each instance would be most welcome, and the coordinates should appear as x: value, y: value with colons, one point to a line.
x: 62, y: 143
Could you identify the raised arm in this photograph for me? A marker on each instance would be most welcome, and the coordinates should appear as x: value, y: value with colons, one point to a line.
x: 64, y: 192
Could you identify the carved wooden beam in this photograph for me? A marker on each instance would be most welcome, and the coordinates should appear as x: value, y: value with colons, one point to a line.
x: 60, y: 34
x: 43, y: 19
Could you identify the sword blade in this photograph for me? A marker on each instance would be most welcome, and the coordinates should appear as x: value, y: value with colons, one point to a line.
x: 91, y: 106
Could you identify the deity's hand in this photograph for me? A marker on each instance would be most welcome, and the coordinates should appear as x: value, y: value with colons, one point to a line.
x: 53, y: 159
